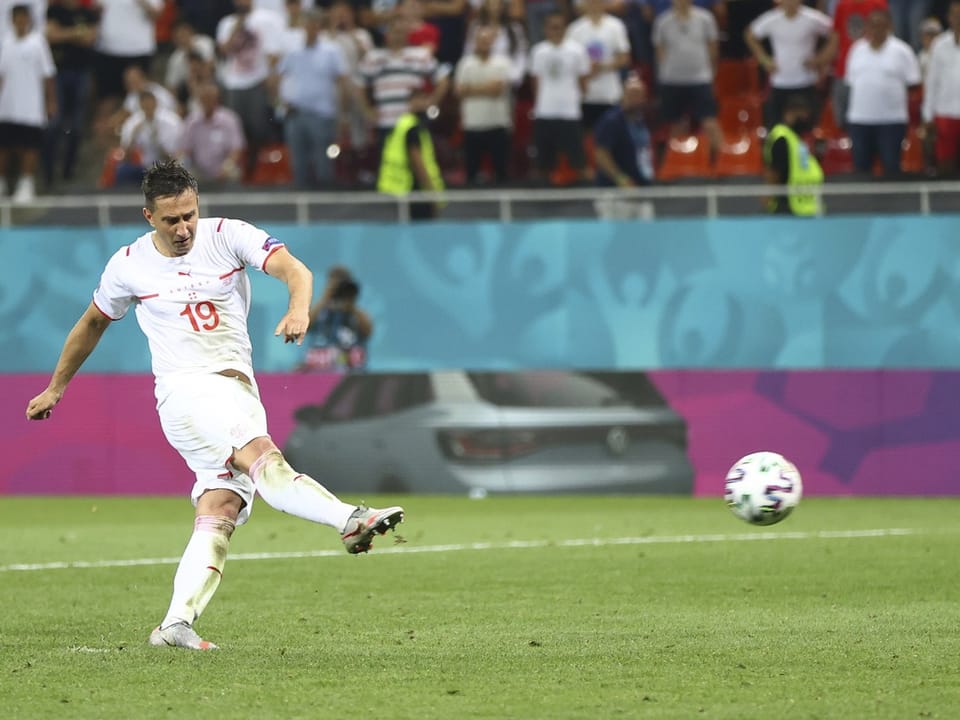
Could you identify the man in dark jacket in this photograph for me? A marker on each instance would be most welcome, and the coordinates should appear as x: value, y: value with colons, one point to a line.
x: 623, y: 151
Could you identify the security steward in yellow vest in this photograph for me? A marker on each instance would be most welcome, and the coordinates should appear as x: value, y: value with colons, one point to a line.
x: 408, y: 161
x: 790, y: 163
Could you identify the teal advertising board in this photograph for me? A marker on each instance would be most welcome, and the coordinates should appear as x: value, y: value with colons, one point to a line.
x: 852, y: 292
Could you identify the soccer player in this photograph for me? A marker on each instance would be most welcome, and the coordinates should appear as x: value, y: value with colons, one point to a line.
x: 187, y: 282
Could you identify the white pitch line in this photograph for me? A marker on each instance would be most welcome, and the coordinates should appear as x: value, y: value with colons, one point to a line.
x: 512, y: 545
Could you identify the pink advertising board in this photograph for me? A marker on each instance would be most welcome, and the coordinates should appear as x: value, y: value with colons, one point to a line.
x: 849, y: 432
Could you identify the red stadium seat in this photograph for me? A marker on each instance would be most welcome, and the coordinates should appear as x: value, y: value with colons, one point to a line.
x: 736, y: 77
x: 740, y: 155
x: 838, y: 157
x: 115, y: 156
x: 911, y: 159
x: 686, y: 157
x: 739, y: 113
x: 272, y: 167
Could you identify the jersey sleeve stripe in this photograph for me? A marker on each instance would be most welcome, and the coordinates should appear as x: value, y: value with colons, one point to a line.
x: 220, y: 224
x: 147, y: 297
x: 269, y: 255
x: 100, y: 310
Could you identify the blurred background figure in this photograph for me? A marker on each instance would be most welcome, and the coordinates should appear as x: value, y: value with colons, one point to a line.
x: 941, y: 97
x: 315, y: 92
x: 796, y: 65
x: 294, y: 34
x: 151, y: 134
x: 355, y: 42
x: 37, y: 8
x: 536, y: 13
x: 136, y: 82
x: 685, y: 39
x: 880, y: 70
x: 408, y: 161
x: 420, y: 33
x: 929, y: 31
x: 604, y: 37
x: 482, y: 82
x: 908, y: 16
x: 510, y: 39
x: 127, y: 37
x: 200, y: 72
x: 789, y: 163
x: 849, y: 23
x: 28, y: 100
x: 624, y: 149
x: 394, y: 73
x: 559, y: 71
x: 213, y: 141
x: 249, y: 41
x: 450, y: 18
x: 71, y: 32
x: 624, y: 153
x: 186, y: 41
x: 339, y: 329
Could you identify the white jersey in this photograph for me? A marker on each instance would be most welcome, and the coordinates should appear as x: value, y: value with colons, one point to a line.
x: 193, y: 309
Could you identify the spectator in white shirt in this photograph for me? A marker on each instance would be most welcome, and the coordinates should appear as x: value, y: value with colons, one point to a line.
x: 511, y: 37
x: 796, y: 65
x: 559, y: 71
x: 136, y: 81
x: 685, y: 40
x: 185, y: 41
x: 249, y: 43
x: 482, y: 82
x: 127, y: 37
x: 605, y: 38
x: 151, y: 134
x: 38, y: 12
x: 941, y: 96
x: 880, y: 70
x: 28, y: 99
x: 929, y: 31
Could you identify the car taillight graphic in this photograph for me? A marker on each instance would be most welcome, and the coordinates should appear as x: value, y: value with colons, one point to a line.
x: 486, y: 445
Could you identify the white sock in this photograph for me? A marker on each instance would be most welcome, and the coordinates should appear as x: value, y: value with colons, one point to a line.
x: 200, y: 569
x: 291, y: 492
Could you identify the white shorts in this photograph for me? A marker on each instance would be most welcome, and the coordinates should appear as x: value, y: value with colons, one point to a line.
x: 204, y: 418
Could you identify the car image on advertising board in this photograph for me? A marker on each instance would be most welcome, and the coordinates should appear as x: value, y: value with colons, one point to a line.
x: 493, y: 432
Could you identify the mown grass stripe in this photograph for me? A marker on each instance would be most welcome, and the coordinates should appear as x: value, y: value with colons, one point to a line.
x: 511, y: 545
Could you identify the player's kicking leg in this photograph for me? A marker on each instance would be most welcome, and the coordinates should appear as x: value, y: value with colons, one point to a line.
x: 291, y: 492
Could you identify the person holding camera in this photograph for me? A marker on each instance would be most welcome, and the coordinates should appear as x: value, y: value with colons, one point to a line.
x: 339, y: 330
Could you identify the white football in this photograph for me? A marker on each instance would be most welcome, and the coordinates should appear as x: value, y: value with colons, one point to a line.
x: 762, y: 488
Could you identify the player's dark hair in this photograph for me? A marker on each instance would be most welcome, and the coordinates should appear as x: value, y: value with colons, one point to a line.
x: 21, y: 9
x: 166, y: 179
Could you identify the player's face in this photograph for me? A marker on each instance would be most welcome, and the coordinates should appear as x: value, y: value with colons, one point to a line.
x: 174, y: 220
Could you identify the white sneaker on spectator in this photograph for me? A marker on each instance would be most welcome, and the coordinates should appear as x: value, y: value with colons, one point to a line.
x: 24, y: 192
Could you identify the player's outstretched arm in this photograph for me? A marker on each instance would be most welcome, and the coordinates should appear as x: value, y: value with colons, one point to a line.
x: 80, y: 342
x: 299, y: 280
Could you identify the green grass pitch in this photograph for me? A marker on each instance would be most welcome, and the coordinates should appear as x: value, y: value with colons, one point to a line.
x: 670, y: 608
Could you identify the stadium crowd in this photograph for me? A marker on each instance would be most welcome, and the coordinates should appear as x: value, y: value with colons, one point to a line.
x: 309, y: 93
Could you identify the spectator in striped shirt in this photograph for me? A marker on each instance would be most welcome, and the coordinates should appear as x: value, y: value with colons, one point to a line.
x: 393, y: 73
